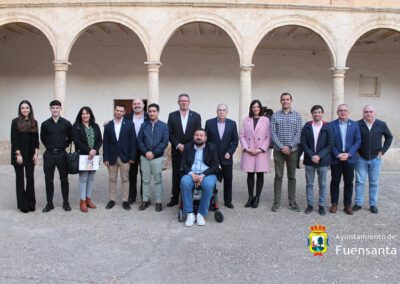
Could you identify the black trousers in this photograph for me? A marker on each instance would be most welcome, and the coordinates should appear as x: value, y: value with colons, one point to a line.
x: 51, y: 161
x: 176, y: 175
x: 227, y: 176
x: 347, y: 170
x: 133, y: 174
x: 25, y: 196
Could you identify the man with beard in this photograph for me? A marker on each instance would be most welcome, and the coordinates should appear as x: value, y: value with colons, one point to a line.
x: 200, y: 165
x: 137, y: 116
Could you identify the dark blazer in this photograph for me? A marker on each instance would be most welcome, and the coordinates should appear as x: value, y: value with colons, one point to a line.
x: 25, y: 142
x: 371, y: 141
x: 125, y: 147
x: 129, y: 117
x: 324, y: 144
x: 80, y: 139
x: 176, y: 134
x: 210, y: 158
x: 353, y: 141
x: 229, y: 141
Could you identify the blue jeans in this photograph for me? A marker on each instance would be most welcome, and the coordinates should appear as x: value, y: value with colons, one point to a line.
x: 207, y: 186
x: 86, y: 184
x: 310, y: 174
x: 372, y: 168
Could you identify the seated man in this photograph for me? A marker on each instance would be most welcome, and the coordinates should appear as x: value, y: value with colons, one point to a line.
x: 200, y: 165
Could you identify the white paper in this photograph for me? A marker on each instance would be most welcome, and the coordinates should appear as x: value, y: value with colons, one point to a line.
x: 86, y: 165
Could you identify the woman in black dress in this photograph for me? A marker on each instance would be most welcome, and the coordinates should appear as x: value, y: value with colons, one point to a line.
x: 24, y: 155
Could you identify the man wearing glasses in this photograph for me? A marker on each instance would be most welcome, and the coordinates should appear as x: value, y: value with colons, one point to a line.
x: 346, y: 142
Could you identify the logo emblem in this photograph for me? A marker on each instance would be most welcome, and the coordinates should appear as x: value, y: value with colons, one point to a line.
x: 318, y: 240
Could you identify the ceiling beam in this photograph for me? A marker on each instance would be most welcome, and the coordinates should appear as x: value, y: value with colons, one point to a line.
x: 198, y: 29
x: 122, y: 29
x: 28, y: 28
x: 103, y: 28
x: 292, y: 31
x: 12, y: 30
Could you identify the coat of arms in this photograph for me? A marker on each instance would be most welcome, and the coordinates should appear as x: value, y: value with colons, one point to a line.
x: 318, y: 240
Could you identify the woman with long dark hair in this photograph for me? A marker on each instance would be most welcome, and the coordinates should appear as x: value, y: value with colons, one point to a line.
x: 255, y: 139
x: 87, y: 138
x: 24, y: 155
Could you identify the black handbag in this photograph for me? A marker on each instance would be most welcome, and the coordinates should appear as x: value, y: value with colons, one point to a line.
x: 72, y: 161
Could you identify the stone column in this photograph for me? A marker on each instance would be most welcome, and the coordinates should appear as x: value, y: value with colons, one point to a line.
x: 153, y: 68
x: 245, y: 91
x: 60, y: 90
x: 338, y: 88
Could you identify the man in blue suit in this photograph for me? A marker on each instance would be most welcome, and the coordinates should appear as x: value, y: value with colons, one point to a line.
x: 222, y: 132
x: 347, y: 140
x: 119, y: 152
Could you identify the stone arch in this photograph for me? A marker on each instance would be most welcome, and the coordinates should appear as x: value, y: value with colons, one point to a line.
x: 218, y: 21
x: 367, y: 26
x: 295, y: 20
x: 35, y: 22
x: 128, y: 22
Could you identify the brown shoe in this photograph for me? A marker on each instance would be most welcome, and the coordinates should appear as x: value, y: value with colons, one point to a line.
x: 89, y: 203
x: 143, y: 206
x: 158, y: 207
x: 348, y: 210
x: 82, y: 205
x: 333, y: 209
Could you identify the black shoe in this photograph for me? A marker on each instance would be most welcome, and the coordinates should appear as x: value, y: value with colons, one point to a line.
x: 48, y: 207
x: 254, y: 203
x: 229, y: 205
x: 131, y: 200
x: 158, y: 207
x: 373, y: 209
x: 126, y: 205
x: 172, y: 203
x: 110, y: 204
x: 356, y: 208
x: 143, y: 205
x: 32, y: 208
x: 294, y: 207
x: 24, y: 210
x: 248, y: 203
x: 309, y: 209
x: 66, y: 207
x: 321, y: 210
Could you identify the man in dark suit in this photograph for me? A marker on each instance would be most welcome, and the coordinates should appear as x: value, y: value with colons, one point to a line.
x: 119, y: 152
x: 347, y: 140
x: 137, y: 116
x: 200, y: 165
x: 222, y: 132
x: 181, y: 125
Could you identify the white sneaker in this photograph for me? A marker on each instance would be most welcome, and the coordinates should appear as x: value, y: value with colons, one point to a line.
x: 190, y: 220
x: 200, y: 220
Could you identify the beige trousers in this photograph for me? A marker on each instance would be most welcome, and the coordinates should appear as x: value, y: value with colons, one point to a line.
x: 112, y: 181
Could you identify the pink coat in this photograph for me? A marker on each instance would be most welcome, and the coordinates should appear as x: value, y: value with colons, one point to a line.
x: 258, y: 138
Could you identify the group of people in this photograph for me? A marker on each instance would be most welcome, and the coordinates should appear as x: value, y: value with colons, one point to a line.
x: 135, y: 143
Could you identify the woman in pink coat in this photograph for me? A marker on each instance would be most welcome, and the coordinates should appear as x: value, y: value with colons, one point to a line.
x: 255, y: 138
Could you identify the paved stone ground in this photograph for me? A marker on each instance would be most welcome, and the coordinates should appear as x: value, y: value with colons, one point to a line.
x: 251, y: 245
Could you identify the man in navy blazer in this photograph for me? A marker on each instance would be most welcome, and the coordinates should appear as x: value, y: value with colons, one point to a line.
x: 181, y: 125
x: 119, y: 152
x: 223, y: 133
x: 347, y: 140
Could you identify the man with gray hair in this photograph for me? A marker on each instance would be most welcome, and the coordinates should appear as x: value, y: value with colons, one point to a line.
x: 370, y: 157
x: 222, y: 132
x: 137, y: 116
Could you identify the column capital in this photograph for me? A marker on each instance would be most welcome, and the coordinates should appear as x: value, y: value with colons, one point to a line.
x: 153, y: 66
x: 61, y: 65
x: 246, y: 68
x: 338, y: 70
